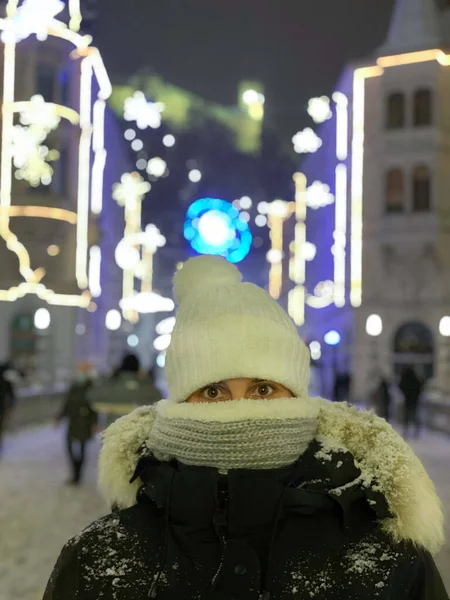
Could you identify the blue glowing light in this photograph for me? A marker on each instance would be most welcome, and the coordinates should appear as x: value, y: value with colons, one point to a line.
x: 213, y: 226
x: 332, y: 338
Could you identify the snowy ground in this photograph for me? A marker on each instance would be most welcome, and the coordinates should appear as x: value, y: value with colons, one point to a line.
x: 38, y: 513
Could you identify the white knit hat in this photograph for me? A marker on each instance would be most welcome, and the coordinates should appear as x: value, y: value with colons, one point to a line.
x: 226, y: 329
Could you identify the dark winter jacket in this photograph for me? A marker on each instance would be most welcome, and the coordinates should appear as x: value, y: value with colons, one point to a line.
x: 321, y: 528
x: 80, y: 415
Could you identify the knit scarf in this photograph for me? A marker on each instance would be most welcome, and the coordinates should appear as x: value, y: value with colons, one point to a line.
x: 240, y: 434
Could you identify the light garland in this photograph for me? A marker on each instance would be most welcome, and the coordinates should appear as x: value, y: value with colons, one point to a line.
x: 340, y: 235
x: 318, y: 195
x: 341, y: 125
x: 296, y: 298
x: 142, y: 112
x: 31, y: 158
x: 279, y: 212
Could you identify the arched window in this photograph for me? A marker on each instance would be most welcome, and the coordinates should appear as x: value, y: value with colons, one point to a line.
x: 395, y: 191
x: 421, y: 189
x: 423, y: 109
x: 395, y: 111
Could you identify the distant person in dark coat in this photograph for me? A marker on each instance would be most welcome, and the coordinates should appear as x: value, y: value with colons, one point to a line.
x: 81, y: 422
x: 383, y: 399
x: 7, y: 398
x: 411, y: 388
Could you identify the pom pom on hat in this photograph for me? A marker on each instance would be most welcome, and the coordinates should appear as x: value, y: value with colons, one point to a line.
x: 204, y: 272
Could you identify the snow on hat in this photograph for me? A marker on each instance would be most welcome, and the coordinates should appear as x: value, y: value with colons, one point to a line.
x: 227, y: 329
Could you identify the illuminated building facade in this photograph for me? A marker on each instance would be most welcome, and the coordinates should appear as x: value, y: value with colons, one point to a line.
x: 52, y: 188
x: 383, y: 243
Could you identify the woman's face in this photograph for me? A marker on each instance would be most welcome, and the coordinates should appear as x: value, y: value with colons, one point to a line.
x: 240, y: 389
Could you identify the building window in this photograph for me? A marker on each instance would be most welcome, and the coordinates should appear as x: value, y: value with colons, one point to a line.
x: 395, y: 191
x: 421, y: 189
x: 395, y: 116
x: 45, y: 82
x: 423, y: 109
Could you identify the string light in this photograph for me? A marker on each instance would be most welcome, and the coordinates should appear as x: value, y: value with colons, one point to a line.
x: 137, y: 145
x: 129, y: 135
x: 319, y: 109
x: 359, y: 84
x: 260, y: 220
x: 156, y: 167
x: 40, y: 117
x: 340, y: 235
x: 95, y: 263
x: 113, y: 320
x: 279, y: 212
x: 341, y: 125
x: 296, y: 298
x: 323, y: 295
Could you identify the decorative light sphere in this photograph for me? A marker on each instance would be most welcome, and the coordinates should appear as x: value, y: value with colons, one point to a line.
x: 332, y: 338
x: 214, y: 226
x: 53, y: 250
x: 113, y: 320
x: 162, y: 342
x: 169, y: 140
x: 274, y: 256
x: 137, y: 145
x: 260, y: 220
x: 245, y: 216
x: 319, y: 109
x: 133, y: 340
x: 141, y: 164
x: 165, y: 326
x: 263, y: 208
x: 374, y: 325
x: 245, y: 202
x: 316, y: 350
x: 129, y: 134
x: 42, y: 319
x: 161, y: 360
x: 251, y: 97
x: 309, y: 251
x: 444, y: 326
x: 195, y: 175
x: 127, y: 257
x: 156, y: 167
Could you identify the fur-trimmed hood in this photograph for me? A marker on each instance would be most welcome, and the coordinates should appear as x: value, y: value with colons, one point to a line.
x: 379, y: 452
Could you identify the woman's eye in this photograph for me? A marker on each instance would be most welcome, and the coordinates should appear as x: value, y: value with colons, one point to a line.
x: 212, y: 393
x: 265, y: 390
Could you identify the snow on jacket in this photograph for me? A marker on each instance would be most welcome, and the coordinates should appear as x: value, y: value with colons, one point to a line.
x: 355, y: 518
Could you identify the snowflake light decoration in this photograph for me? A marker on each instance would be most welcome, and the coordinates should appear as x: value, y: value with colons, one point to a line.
x: 33, y: 17
x: 40, y: 115
x: 156, y: 167
x: 30, y: 157
x: 144, y: 113
x: 318, y: 195
x: 131, y: 189
x: 306, y: 141
x: 319, y: 109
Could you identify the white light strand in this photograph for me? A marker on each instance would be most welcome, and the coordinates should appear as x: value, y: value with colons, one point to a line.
x: 340, y: 235
x: 341, y: 125
x: 95, y: 264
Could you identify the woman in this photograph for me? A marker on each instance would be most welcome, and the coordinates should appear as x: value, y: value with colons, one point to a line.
x: 241, y: 487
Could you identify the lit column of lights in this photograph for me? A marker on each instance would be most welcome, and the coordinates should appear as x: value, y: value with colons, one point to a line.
x: 95, y: 265
x: 340, y: 235
x: 129, y: 193
x: 84, y: 160
x: 153, y: 241
x: 359, y: 85
x: 98, y: 146
x: 341, y: 125
x: 279, y: 212
x: 75, y: 15
x: 297, y: 295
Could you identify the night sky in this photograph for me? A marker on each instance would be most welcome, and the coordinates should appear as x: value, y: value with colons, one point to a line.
x: 297, y: 48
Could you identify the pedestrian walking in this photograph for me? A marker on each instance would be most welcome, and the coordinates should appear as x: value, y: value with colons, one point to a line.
x: 382, y: 399
x: 411, y: 388
x: 242, y: 487
x: 81, y: 422
x: 7, y: 398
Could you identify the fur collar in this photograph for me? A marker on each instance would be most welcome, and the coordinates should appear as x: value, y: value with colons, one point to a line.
x: 379, y: 452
